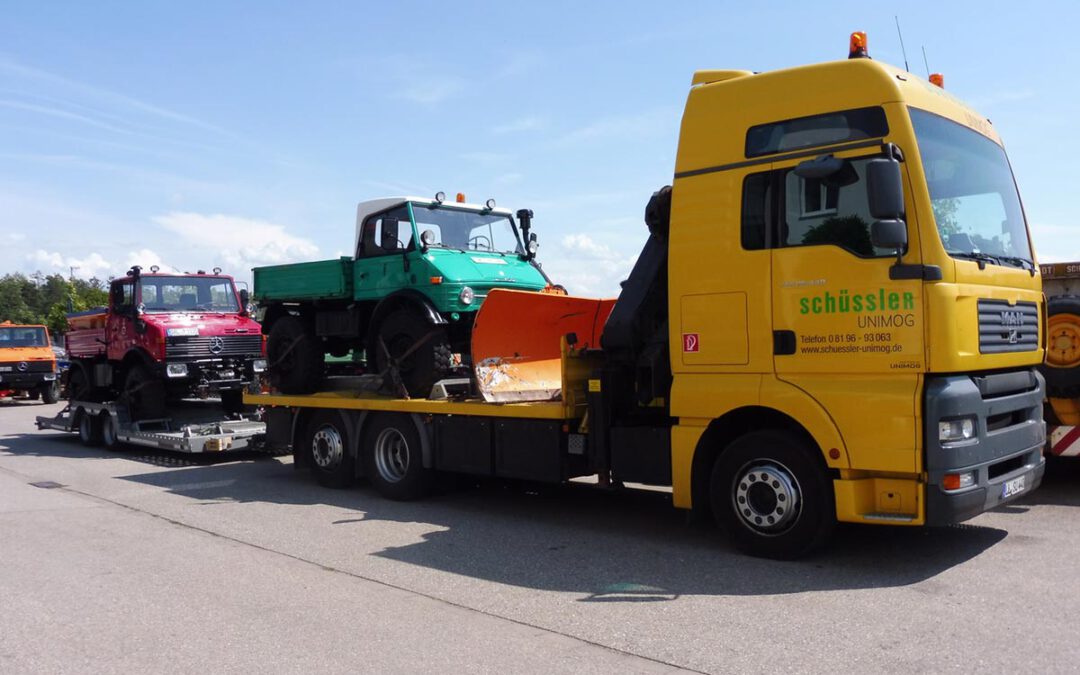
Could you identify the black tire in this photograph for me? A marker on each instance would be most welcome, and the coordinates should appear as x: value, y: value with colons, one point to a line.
x: 33, y: 394
x: 144, y: 394
x: 107, y: 425
x: 89, y: 429
x: 50, y: 392
x: 1062, y: 367
x: 232, y: 401
x: 329, y: 449
x: 772, y: 495
x: 294, y: 357
x: 430, y: 362
x: 394, y: 458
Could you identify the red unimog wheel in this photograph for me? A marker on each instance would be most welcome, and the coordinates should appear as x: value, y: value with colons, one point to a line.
x: 145, y: 394
x: 294, y: 357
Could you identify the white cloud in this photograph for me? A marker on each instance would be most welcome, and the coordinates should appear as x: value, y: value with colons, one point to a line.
x: 92, y: 265
x: 586, y: 267
x: 234, y: 243
x: 1056, y: 243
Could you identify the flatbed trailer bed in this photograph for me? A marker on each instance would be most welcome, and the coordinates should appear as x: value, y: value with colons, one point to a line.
x: 109, y: 424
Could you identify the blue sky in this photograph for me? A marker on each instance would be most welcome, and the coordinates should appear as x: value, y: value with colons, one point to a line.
x: 203, y: 134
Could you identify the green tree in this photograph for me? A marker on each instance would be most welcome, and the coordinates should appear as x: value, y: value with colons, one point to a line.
x: 945, y: 215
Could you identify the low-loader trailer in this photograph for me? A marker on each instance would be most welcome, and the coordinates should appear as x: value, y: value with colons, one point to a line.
x: 836, y: 317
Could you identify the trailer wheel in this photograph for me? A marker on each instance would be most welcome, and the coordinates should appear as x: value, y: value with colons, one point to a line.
x: 107, y: 424
x: 144, y: 393
x: 772, y: 496
x: 420, y: 351
x: 294, y: 356
x: 328, y: 444
x: 50, y: 392
x: 89, y: 429
x: 1062, y: 369
x: 393, y: 458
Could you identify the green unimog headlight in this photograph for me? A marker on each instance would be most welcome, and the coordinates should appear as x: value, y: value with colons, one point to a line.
x: 466, y: 296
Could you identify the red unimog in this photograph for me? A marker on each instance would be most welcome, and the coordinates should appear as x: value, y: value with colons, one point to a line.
x: 165, y: 336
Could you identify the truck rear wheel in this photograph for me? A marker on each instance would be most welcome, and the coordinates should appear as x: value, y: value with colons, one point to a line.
x: 419, y: 350
x: 394, y: 458
x: 1062, y: 369
x: 294, y: 357
x: 327, y: 440
x: 109, y: 439
x: 772, y: 496
x: 144, y: 393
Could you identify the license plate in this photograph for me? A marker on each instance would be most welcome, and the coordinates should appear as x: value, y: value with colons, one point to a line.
x: 1012, y: 487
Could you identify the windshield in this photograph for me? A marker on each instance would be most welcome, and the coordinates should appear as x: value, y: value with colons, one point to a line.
x: 466, y: 230
x: 188, y: 294
x: 976, y: 205
x: 22, y: 336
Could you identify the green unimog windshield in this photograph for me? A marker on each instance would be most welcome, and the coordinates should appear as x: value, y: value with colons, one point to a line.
x: 466, y: 230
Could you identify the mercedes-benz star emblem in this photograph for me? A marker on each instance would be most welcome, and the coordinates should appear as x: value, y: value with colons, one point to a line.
x: 217, y: 345
x: 23, y: 365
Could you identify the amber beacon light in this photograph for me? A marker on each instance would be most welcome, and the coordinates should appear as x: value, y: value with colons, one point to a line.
x: 857, y: 47
x: 937, y: 79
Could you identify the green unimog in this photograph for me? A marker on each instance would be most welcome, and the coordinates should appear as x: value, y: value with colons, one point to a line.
x: 421, y: 270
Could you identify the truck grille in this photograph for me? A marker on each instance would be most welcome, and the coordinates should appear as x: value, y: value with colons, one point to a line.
x: 27, y: 367
x: 1008, y: 328
x: 214, y: 346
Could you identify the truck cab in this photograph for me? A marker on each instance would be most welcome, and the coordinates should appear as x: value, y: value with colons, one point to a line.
x: 166, y: 336
x: 27, y: 362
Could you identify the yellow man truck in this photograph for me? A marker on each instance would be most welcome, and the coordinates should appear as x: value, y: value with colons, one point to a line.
x: 836, y: 317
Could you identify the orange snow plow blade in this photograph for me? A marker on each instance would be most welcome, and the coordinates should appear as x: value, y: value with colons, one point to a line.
x: 517, y: 342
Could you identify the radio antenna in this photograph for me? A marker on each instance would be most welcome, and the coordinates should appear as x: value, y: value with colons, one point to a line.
x: 901, y: 35
x: 925, y: 62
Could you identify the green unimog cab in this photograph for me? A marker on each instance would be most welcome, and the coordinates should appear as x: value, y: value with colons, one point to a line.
x: 407, y: 300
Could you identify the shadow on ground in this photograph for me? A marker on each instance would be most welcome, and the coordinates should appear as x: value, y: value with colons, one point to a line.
x: 621, y: 546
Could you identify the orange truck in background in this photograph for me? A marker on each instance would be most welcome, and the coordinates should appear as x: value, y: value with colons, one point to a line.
x: 27, y: 363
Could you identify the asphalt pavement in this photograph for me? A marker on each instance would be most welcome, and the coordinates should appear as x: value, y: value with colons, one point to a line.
x: 141, y: 560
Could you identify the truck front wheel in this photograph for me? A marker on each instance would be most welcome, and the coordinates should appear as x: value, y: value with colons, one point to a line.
x: 50, y: 391
x: 420, y: 351
x: 394, y: 459
x: 294, y: 357
x: 771, y: 495
x: 144, y: 393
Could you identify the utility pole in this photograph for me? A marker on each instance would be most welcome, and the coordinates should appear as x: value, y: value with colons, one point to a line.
x: 71, y: 273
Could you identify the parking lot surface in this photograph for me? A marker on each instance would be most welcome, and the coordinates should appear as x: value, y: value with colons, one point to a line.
x: 117, y: 561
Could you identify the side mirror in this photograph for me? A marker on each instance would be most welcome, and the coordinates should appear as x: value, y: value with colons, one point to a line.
x: 245, y: 297
x: 889, y: 234
x: 884, y: 189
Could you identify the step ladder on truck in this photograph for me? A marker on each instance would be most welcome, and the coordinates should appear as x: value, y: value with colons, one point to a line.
x: 1061, y: 283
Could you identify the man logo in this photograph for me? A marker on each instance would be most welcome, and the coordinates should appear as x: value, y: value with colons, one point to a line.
x: 217, y: 344
x: 1012, y: 318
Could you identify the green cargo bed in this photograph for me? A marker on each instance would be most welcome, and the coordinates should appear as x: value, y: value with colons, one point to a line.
x: 320, y: 280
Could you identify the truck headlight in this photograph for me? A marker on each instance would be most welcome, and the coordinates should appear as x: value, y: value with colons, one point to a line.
x: 176, y: 370
x: 258, y: 366
x: 466, y: 296
x: 959, y: 429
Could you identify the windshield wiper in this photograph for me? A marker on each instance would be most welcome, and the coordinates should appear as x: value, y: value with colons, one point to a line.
x: 976, y: 255
x: 1023, y: 263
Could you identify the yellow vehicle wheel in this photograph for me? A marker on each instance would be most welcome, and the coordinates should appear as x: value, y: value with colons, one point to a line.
x: 1062, y: 370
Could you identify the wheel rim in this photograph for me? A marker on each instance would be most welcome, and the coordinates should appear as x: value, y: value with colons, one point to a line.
x: 327, y: 447
x: 391, y: 455
x: 1064, y: 342
x: 767, y: 497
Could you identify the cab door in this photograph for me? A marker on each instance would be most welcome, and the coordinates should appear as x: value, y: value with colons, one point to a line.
x: 383, y: 258
x: 119, y: 328
x: 844, y: 331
